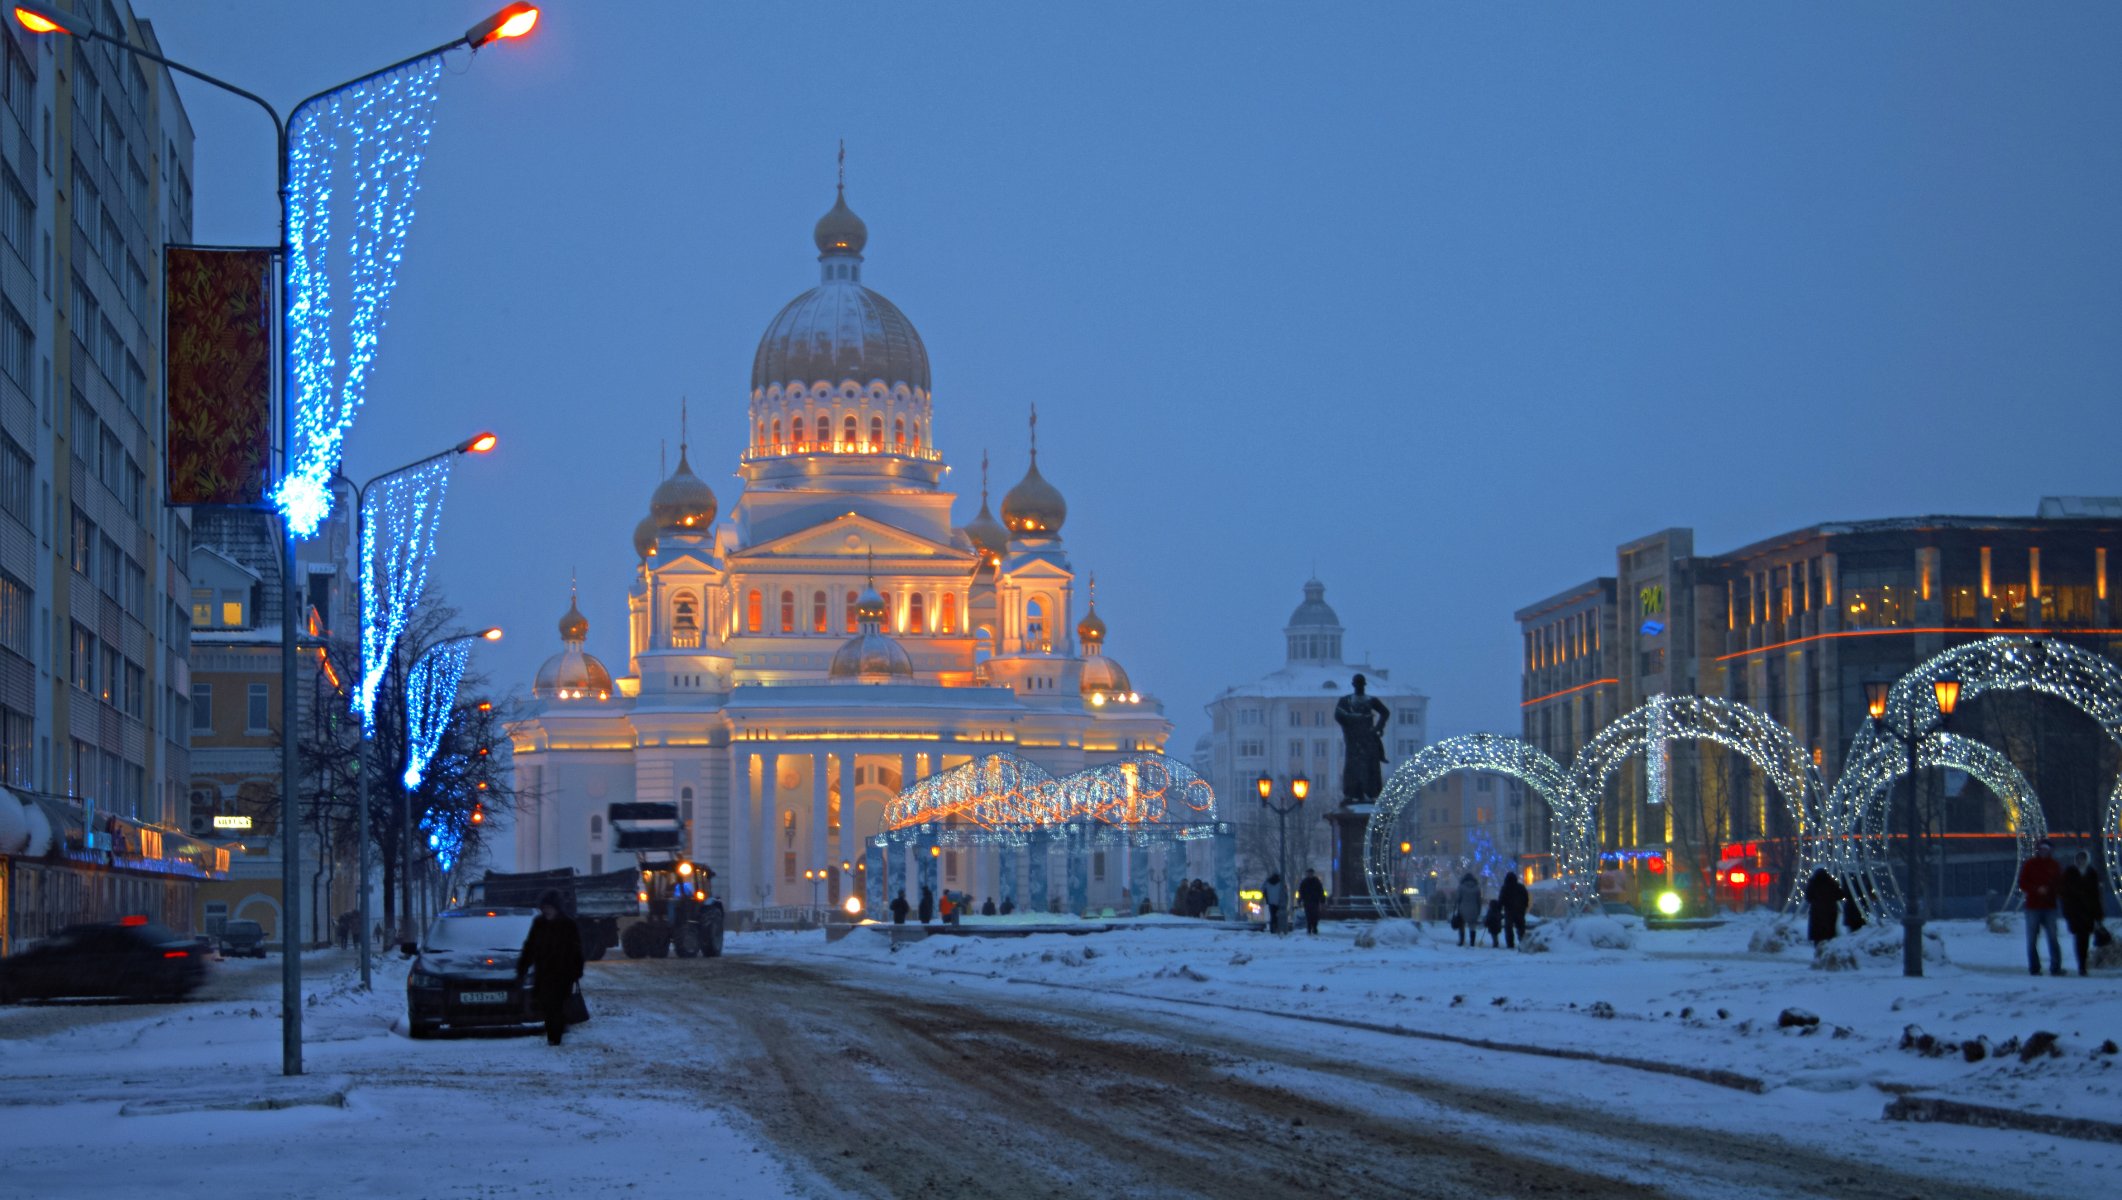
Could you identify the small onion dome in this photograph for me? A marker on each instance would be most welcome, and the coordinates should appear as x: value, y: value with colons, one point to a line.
x: 870, y: 606
x: 574, y: 627
x: 840, y: 231
x: 987, y: 534
x: 1034, y: 506
x: 572, y: 675
x: 645, y: 538
x: 684, y: 501
x: 1104, y: 679
x: 871, y: 656
x: 1091, y: 629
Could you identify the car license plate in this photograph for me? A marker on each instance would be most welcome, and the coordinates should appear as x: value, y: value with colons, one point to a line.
x: 482, y: 997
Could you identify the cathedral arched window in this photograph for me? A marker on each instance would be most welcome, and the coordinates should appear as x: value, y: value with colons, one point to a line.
x: 917, y: 437
x: 947, y: 619
x: 899, y: 434
x: 795, y: 432
x: 817, y: 612
x: 685, y: 614
x: 851, y: 600
x: 788, y: 612
x: 1035, y: 623
x: 876, y: 433
x: 847, y: 433
x: 759, y: 443
x: 983, y: 646
x: 753, y: 619
x: 777, y: 435
x: 916, y: 614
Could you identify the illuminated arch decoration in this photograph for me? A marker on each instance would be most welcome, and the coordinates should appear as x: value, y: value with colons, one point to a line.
x: 356, y: 154
x: 2084, y: 680
x: 1002, y: 798
x: 1861, y: 806
x: 1514, y: 757
x: 1752, y: 734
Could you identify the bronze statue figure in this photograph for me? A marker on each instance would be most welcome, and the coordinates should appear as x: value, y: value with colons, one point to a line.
x: 1362, y: 719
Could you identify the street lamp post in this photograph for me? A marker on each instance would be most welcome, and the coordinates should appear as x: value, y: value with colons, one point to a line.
x: 477, y: 444
x: 1299, y: 788
x: 405, y: 797
x: 1947, y: 693
x: 511, y: 22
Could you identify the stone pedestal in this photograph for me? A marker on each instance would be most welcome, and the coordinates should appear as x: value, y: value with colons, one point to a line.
x: 1348, y: 891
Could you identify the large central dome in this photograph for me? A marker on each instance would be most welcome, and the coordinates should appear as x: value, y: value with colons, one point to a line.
x: 840, y: 331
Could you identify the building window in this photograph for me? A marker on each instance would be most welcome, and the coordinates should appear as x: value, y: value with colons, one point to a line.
x: 852, y: 599
x: 752, y: 618
x: 202, y: 708
x: 950, y: 866
x: 916, y: 614
x: 947, y: 619
x: 259, y: 719
x: 899, y: 434
x: 876, y: 433
x: 818, y: 615
x: 232, y: 613
x: 596, y: 825
x: 788, y: 867
x: 788, y: 612
x: 796, y: 431
x: 777, y: 435
x: 1035, y: 622
x: 847, y: 433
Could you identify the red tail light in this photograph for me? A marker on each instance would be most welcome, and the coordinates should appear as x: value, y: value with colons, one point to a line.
x: 135, y: 919
x: 176, y: 954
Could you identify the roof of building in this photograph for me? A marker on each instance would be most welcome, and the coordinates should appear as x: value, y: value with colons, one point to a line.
x: 1315, y: 681
x: 840, y: 330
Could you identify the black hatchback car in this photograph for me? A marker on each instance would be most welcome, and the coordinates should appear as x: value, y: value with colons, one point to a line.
x: 132, y: 957
x: 465, y: 974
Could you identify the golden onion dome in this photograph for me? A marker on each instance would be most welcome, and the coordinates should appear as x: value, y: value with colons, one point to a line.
x: 870, y: 606
x: 1105, y: 677
x: 645, y: 538
x: 572, y: 675
x: 1034, y: 506
x: 574, y: 627
x: 684, y: 501
x: 987, y: 534
x: 1091, y: 629
x: 871, y: 657
x: 840, y: 231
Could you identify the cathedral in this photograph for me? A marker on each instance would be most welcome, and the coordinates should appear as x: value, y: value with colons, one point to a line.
x: 832, y: 636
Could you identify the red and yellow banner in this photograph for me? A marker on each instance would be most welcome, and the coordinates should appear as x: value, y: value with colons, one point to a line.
x: 220, y: 375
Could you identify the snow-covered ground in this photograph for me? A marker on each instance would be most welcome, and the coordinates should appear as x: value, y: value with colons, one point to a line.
x: 1697, y: 998
x: 129, y: 1100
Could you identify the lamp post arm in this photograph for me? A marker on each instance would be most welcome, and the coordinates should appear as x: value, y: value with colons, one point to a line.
x: 97, y: 35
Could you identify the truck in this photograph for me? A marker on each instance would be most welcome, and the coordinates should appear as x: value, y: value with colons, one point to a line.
x: 665, y: 907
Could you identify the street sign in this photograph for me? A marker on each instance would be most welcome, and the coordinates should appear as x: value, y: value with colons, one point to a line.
x: 232, y: 822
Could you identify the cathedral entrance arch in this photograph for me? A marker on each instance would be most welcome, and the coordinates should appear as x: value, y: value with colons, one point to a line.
x: 1513, y: 757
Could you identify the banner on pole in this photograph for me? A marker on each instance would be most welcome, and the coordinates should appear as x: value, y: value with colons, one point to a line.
x: 220, y: 374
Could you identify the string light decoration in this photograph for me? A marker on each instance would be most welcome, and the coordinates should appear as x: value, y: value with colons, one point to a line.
x: 430, y: 699
x: 1859, y: 805
x: 1003, y: 799
x: 1514, y: 757
x: 2088, y: 682
x: 397, y: 541
x: 372, y: 138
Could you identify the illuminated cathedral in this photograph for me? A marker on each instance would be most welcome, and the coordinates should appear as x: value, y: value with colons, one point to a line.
x: 833, y: 636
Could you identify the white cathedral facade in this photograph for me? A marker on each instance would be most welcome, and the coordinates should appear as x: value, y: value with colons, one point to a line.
x: 835, y: 635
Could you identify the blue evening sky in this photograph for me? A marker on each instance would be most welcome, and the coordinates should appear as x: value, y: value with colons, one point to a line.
x: 1446, y: 299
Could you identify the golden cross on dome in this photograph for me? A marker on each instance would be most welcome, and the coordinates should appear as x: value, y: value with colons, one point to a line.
x: 1035, y: 432
x: 983, y: 477
x: 842, y: 186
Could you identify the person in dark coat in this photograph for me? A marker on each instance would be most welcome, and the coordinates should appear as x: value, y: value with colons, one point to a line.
x: 988, y: 909
x: 899, y: 907
x: 927, y: 907
x: 2039, y: 879
x: 554, y: 951
x: 1516, y: 900
x: 1009, y: 905
x: 1312, y: 895
x: 1179, y: 900
x: 1492, y: 920
x: 1823, y: 908
x: 2083, y: 907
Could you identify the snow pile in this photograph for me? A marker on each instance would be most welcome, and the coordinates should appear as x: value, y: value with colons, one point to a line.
x: 1774, y: 938
x: 1390, y: 934
x: 1580, y: 934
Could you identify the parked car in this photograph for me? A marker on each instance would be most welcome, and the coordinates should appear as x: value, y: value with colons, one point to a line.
x: 464, y: 972
x: 242, y: 939
x: 133, y: 957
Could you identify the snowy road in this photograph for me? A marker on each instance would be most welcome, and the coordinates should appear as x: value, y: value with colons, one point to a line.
x: 794, y: 1068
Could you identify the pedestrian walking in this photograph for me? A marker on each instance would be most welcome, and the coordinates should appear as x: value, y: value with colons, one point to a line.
x: 1516, y: 900
x: 927, y: 907
x: 553, y: 951
x: 988, y: 909
x: 2040, y: 878
x: 1823, y: 908
x: 1312, y: 895
x: 1492, y: 921
x: 1466, y: 915
x: 947, y: 909
x: 2084, y: 909
x: 1275, y: 894
x: 899, y: 907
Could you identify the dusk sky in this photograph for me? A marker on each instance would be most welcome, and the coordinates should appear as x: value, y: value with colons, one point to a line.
x: 1444, y: 300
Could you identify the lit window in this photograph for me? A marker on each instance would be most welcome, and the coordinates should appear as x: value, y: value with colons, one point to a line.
x: 788, y: 612
x: 899, y: 434
x: 916, y: 614
x: 851, y: 599
x: 847, y: 433
x: 777, y: 434
x: 876, y: 433
x: 796, y: 432
x: 752, y: 617
x: 817, y: 612
x: 1035, y: 623
x: 947, y: 620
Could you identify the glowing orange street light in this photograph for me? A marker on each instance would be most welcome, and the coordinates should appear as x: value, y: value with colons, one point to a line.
x: 38, y: 19
x: 511, y: 22
x: 477, y: 444
x: 491, y: 635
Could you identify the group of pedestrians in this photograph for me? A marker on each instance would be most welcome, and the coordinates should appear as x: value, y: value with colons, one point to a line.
x: 2075, y: 894
x: 1502, y: 916
x: 1311, y: 896
x: 952, y: 907
x: 1194, y: 899
x: 1828, y: 904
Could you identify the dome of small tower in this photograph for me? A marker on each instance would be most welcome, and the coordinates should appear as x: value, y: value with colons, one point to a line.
x: 684, y: 501
x: 1105, y: 677
x: 840, y: 231
x: 1034, y: 506
x: 574, y: 627
x: 645, y: 538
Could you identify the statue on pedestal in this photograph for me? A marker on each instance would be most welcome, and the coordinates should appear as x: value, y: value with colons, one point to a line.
x: 1362, y: 719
